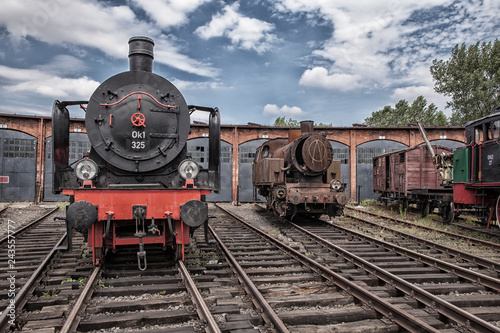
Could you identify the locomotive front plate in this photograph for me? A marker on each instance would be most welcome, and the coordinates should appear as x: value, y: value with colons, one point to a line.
x: 137, y: 121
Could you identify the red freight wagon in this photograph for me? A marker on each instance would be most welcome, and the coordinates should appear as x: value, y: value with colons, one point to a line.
x: 409, y: 176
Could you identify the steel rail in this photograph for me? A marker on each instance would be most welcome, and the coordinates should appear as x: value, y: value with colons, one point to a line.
x: 470, y: 275
x: 259, y: 301
x: 201, y: 307
x: 70, y: 324
x: 23, y: 228
x: 29, y: 286
x: 472, y: 240
x: 447, y: 309
x: 400, y: 317
x: 3, y: 209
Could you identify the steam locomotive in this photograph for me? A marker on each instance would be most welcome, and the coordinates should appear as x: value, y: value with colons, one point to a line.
x: 298, y: 175
x: 138, y: 185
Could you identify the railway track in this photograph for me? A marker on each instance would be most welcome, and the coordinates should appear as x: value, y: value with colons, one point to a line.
x: 361, y: 256
x: 305, y: 294
x: 196, y: 295
x: 472, y: 244
x: 26, y: 250
x: 276, y: 277
x: 418, y: 276
x: 162, y: 298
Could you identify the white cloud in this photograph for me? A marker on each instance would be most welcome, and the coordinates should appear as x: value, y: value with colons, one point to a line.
x: 244, y: 32
x: 45, y: 84
x: 171, y: 12
x: 38, y: 110
x: 80, y: 23
x: 381, y: 44
x: 412, y: 92
x: 319, y: 77
x: 285, y: 110
x: 193, y: 85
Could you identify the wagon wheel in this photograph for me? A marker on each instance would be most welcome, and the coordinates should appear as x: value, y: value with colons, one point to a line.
x: 497, y: 211
x: 449, y: 213
x: 426, y: 208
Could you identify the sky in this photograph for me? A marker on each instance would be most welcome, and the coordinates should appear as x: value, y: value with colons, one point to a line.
x: 330, y: 61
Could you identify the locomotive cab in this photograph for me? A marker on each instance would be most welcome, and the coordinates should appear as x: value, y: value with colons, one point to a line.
x: 476, y: 181
x: 138, y: 185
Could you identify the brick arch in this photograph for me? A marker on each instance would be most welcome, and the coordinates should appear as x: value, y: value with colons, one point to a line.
x: 22, y: 129
x: 206, y: 137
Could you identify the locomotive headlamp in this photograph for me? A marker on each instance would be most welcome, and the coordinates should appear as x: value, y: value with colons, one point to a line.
x: 189, y: 169
x: 86, y: 169
x: 335, y: 184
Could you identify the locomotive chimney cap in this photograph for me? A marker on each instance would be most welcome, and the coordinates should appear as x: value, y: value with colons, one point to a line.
x: 141, y: 45
x: 140, y: 54
x: 306, y: 126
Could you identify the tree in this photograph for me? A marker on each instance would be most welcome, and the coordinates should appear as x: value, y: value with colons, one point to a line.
x: 281, y: 121
x: 404, y: 113
x: 471, y: 77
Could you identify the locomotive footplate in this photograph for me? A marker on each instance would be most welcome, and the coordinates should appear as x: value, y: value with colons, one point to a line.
x: 119, y: 222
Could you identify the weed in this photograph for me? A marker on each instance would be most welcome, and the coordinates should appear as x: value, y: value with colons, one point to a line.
x: 402, y: 212
x: 62, y: 205
x: 101, y: 284
x: 68, y: 280
x: 369, y: 202
x: 49, y: 293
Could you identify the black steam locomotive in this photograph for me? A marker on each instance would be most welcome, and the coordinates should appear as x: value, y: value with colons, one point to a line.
x: 298, y: 175
x: 137, y: 185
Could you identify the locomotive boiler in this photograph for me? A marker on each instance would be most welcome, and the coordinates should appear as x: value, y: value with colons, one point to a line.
x: 138, y: 185
x: 298, y: 175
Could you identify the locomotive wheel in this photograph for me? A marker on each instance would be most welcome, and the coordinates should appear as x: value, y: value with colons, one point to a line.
x: 449, y: 213
x: 281, y: 208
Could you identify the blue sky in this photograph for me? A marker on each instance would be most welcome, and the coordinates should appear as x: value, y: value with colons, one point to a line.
x: 327, y: 61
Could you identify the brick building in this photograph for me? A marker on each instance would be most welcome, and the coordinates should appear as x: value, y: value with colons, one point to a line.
x: 26, y: 142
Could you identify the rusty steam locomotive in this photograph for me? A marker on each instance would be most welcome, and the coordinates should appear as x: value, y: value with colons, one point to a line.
x: 137, y: 186
x: 298, y: 175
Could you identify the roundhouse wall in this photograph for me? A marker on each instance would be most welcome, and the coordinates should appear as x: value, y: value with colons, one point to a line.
x: 40, y: 127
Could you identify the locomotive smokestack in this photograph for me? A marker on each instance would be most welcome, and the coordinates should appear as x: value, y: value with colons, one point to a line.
x: 306, y: 126
x: 140, y: 54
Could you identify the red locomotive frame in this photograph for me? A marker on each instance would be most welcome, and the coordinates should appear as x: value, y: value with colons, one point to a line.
x: 116, y: 205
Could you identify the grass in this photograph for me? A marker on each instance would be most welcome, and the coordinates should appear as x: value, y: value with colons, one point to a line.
x: 369, y: 203
x: 49, y: 293
x: 81, y: 281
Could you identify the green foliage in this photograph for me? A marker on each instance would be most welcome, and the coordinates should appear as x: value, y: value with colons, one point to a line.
x: 404, y: 113
x: 323, y: 125
x: 368, y: 202
x: 49, y: 293
x: 471, y: 77
x: 68, y: 280
x: 402, y: 212
x: 281, y: 121
x: 81, y: 281
x: 101, y: 284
